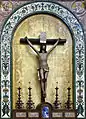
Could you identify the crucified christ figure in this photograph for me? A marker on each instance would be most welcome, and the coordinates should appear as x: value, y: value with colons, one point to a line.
x: 43, y: 69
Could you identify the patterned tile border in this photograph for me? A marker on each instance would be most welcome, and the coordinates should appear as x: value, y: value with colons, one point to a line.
x: 79, y: 51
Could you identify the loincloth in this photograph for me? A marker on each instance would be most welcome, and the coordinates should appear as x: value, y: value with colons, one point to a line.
x: 45, y: 69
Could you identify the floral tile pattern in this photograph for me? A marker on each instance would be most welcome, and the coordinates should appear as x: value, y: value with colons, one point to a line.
x: 79, y: 49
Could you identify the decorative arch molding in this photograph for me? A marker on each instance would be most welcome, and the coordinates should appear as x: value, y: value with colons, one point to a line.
x: 73, y: 24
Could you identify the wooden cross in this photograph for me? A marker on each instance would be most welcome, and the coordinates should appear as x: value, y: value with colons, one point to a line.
x: 42, y: 39
x: 42, y: 55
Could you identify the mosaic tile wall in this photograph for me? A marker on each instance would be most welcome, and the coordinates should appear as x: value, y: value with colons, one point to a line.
x: 78, y: 8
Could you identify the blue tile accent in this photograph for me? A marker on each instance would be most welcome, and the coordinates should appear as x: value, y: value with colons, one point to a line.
x: 45, y: 112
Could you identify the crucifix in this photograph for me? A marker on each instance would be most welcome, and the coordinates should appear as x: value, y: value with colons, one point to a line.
x: 43, y: 68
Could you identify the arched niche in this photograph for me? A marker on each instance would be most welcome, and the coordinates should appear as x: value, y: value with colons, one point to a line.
x: 25, y: 61
x: 45, y: 7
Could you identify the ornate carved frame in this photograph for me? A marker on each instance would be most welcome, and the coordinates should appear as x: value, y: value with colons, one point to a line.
x: 26, y: 10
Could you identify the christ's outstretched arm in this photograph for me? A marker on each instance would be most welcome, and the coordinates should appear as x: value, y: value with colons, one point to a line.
x: 30, y: 44
x: 53, y: 47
